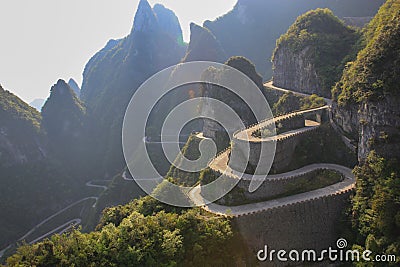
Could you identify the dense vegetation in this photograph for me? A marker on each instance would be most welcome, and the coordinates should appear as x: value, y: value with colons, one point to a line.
x: 147, y: 232
x: 289, y: 102
x: 252, y: 27
x: 31, y: 186
x: 140, y: 234
x: 191, y: 152
x: 376, y: 206
x: 119, y: 192
x: 322, y: 146
x: 375, y: 72
x: 20, y: 137
x: 372, y: 79
x: 14, y: 110
x: 329, y: 42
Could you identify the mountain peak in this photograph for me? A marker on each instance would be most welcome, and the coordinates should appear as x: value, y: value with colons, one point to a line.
x: 203, y: 46
x: 145, y: 19
x: 74, y: 86
x: 168, y: 22
x: 61, y: 87
x: 61, y: 93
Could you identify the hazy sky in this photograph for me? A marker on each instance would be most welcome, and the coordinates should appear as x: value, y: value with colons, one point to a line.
x: 44, y: 40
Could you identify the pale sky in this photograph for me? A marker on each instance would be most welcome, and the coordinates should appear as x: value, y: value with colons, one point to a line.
x: 45, y: 40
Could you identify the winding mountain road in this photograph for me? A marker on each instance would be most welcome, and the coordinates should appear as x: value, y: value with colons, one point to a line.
x: 56, y: 214
x: 270, y: 84
x: 235, y: 211
x: 220, y: 165
x: 247, y: 133
x: 348, y: 142
x: 126, y: 178
x: 65, y: 226
x: 90, y: 184
x: 61, y: 229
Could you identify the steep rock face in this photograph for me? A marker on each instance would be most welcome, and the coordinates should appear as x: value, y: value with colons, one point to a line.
x: 203, y: 46
x: 92, y: 80
x: 379, y: 128
x: 296, y: 71
x: 252, y: 27
x: 347, y: 118
x: 310, y: 57
x: 375, y: 124
x: 145, y: 18
x: 367, y: 95
x: 112, y: 76
x: 123, y: 64
x: 168, y: 22
x: 20, y: 138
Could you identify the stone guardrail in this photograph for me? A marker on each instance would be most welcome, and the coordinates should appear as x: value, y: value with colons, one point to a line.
x: 280, y: 118
x: 273, y: 209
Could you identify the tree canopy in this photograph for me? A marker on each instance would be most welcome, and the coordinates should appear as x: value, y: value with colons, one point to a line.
x: 376, y: 70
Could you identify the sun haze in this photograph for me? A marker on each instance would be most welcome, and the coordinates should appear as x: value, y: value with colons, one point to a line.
x: 45, y: 40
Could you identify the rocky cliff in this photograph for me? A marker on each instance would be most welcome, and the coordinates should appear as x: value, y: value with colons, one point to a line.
x: 379, y: 128
x: 252, y: 27
x: 367, y: 95
x: 310, y: 57
x: 112, y: 76
x: 370, y: 84
x: 153, y: 44
x: 295, y: 70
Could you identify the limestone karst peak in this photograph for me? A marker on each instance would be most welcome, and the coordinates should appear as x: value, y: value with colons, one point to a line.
x: 203, y: 45
x: 61, y: 87
x: 145, y: 19
x: 74, y: 86
x: 168, y: 22
x: 61, y: 93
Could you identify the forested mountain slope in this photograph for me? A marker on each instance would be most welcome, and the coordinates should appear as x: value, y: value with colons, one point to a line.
x: 311, y: 55
x: 369, y: 92
x: 253, y: 26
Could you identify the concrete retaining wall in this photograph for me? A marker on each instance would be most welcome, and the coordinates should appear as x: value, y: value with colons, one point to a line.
x: 284, y: 149
x: 306, y: 225
x: 271, y: 188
